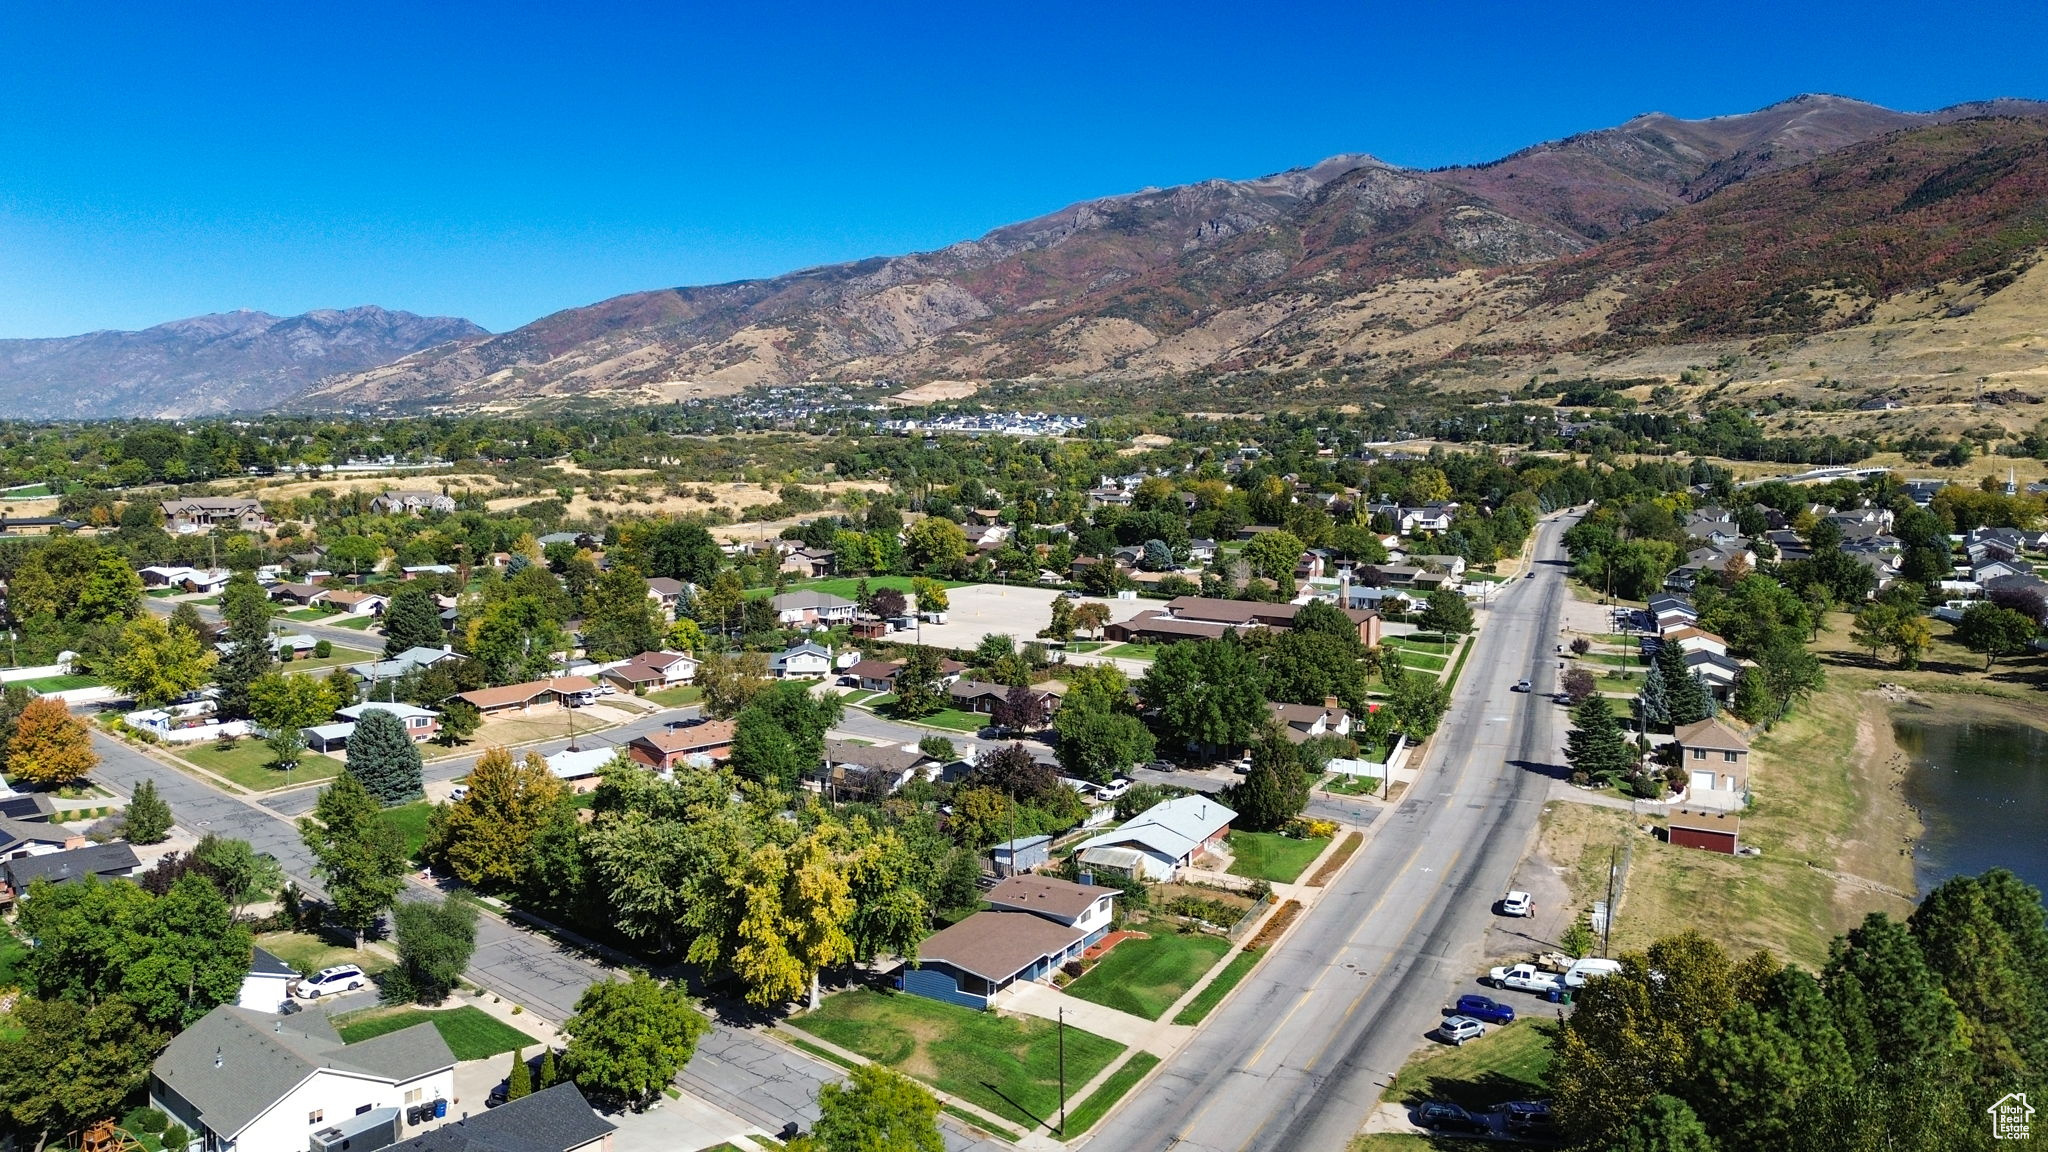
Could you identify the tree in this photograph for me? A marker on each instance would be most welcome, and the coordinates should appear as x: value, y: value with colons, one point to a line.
x: 993, y: 647
x: 917, y: 683
x: 412, y: 620
x: 353, y: 554
x: 1307, y: 667
x: 1984, y: 935
x: 620, y: 619
x: 147, y: 819
x: 1995, y: 631
x: 935, y: 545
x: 14, y: 700
x: 1768, y: 1068
x: 1157, y: 557
x: 1666, y: 1124
x: 679, y: 549
x: 1206, y: 693
x: 1275, y: 790
x: 1895, y: 1017
x: 1061, y: 627
x: 1652, y: 704
x: 929, y: 593
x: 629, y: 1038
x: 283, y: 704
x: 876, y: 1110
x: 242, y: 875
x: 519, y: 1078
x: 1447, y: 612
x: 1596, y: 748
x: 549, y: 1075
x: 358, y: 855
x: 247, y: 611
x: 384, y: 758
x: 486, y: 837
x: 156, y: 663
x: 1273, y: 554
x: 781, y: 734
x: 889, y: 604
x: 459, y: 721
x: 1685, y: 701
x: 1098, y: 742
x: 730, y: 680
x: 1091, y: 616
x: 1787, y: 672
x: 940, y: 748
x: 68, y: 1064
x: 50, y: 747
x: 435, y: 941
x: 890, y: 912
x: 1578, y: 684
x: 1874, y: 627
x: 1019, y: 709
x: 774, y: 917
x: 182, y: 954
x: 1418, y: 704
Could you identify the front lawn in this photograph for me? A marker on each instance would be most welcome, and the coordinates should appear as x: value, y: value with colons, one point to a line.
x: 355, y: 623
x: 472, y: 1033
x: 308, y: 952
x: 1008, y: 1065
x: 1215, y: 990
x: 247, y: 763
x: 338, y: 655
x: 1508, y: 1063
x: 1145, y: 977
x: 951, y: 719
x: 308, y: 614
x: 410, y: 821
x: 63, y: 683
x: 1272, y: 857
x: 1100, y: 1101
x: 848, y: 587
x: 1132, y: 651
x: 676, y: 697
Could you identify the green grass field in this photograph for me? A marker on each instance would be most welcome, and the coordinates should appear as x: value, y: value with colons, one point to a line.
x: 1145, y: 977
x: 1273, y: 857
x: 1100, y: 1101
x: 1215, y: 990
x: 308, y: 614
x: 28, y: 492
x: 1422, y: 661
x: 411, y: 822
x: 848, y: 587
x: 355, y: 623
x: 472, y: 1033
x: 307, y: 953
x: 1008, y: 1065
x: 951, y: 719
x: 337, y: 656
x: 1131, y: 651
x: 677, y: 697
x: 248, y: 765
x: 56, y: 683
x: 1510, y: 1063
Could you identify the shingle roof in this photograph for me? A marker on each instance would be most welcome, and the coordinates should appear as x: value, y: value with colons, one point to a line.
x: 552, y: 1120
x: 1173, y: 828
x: 1047, y: 896
x: 61, y: 867
x: 262, y: 963
x: 262, y: 1057
x: 998, y: 945
x: 1710, y: 733
x: 519, y: 693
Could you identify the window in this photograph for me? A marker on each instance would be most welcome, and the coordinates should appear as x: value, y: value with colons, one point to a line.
x: 413, y: 1097
x: 1728, y: 756
x: 1699, y: 753
x: 316, y: 1115
x: 364, y: 1108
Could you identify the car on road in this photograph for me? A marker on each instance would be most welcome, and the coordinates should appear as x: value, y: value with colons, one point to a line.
x: 1521, y: 685
x: 1442, y: 1116
x: 1530, y: 576
x: 1458, y: 1029
x: 1518, y: 904
x: 1529, y: 1118
x: 1562, y: 697
x: 1484, y: 1009
x: 328, y: 981
x: 1160, y: 765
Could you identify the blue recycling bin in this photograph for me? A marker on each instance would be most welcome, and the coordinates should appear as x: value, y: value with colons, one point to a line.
x: 440, y: 1109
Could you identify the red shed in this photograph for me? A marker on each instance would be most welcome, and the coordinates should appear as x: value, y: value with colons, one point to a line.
x: 1712, y: 831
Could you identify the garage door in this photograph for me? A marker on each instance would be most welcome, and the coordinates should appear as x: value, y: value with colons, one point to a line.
x: 1703, y: 781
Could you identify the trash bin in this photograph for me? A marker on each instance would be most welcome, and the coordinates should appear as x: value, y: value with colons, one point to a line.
x: 440, y: 1109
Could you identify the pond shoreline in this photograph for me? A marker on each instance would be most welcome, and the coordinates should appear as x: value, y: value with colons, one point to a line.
x: 1936, y: 844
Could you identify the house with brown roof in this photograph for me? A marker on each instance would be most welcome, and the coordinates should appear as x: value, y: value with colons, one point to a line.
x: 1691, y: 639
x: 198, y: 513
x: 699, y: 745
x: 867, y: 771
x: 651, y: 671
x: 1036, y: 924
x: 1302, y: 722
x: 1716, y: 762
x: 531, y: 695
x: 982, y: 696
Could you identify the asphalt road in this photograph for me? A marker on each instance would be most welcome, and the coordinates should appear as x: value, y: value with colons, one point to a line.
x: 1299, y: 1056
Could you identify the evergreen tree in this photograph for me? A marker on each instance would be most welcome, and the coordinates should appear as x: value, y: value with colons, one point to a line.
x: 1990, y: 949
x: 1767, y: 1069
x: 550, y: 1075
x: 1666, y: 1124
x: 1685, y: 701
x: 1596, y: 748
x: 412, y: 621
x: 1275, y: 790
x: 1653, y: 704
x: 1893, y: 1012
x: 518, y: 1081
x: 148, y: 818
x: 384, y: 758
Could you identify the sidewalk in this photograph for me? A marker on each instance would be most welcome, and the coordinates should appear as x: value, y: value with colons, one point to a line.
x: 1046, y: 1002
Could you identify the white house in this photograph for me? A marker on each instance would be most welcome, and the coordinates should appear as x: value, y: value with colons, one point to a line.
x: 1162, y: 840
x: 268, y: 985
x: 578, y: 768
x: 811, y: 607
x: 257, y: 1082
x: 804, y: 661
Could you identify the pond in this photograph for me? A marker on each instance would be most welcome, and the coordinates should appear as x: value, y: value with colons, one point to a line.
x: 1981, y: 787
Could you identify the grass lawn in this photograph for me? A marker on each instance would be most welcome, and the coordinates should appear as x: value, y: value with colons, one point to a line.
x: 1344, y: 784
x: 411, y: 822
x: 355, y: 623
x: 1422, y: 661
x: 676, y: 697
x: 1145, y: 977
x: 28, y: 492
x: 848, y: 587
x: 56, y: 683
x: 951, y: 719
x: 472, y: 1033
x: 1510, y: 1063
x: 1131, y: 651
x: 1084, y: 646
x: 1213, y: 992
x: 307, y: 952
x: 1008, y: 1065
x: 1100, y: 1101
x: 1271, y: 856
x: 1411, y: 644
x: 337, y: 656
x: 248, y: 764
x: 308, y: 614
x: 1410, y: 1142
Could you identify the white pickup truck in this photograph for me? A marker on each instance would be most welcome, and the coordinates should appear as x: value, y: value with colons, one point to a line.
x: 1526, y: 978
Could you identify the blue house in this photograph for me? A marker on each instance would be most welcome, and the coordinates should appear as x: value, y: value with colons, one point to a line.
x: 1037, y: 924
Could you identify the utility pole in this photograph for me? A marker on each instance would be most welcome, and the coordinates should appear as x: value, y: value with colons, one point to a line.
x: 1063, y: 1072
x: 1607, y: 925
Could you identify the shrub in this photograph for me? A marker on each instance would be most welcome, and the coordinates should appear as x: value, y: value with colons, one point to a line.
x: 147, y: 1120
x: 322, y: 649
x: 175, y: 1137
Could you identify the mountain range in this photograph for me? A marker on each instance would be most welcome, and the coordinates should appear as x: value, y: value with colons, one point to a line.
x: 1799, y: 218
x: 226, y: 362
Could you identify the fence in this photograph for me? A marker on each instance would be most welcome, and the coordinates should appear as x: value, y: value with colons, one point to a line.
x: 1250, y: 919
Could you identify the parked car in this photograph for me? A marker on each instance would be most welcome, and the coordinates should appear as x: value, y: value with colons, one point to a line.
x: 1484, y: 1008
x: 1562, y: 697
x: 1525, y: 978
x: 1445, y: 1117
x: 458, y: 793
x: 1529, y: 1118
x: 1458, y: 1029
x: 1161, y: 765
x: 327, y: 981
x: 1242, y: 767
x: 1518, y: 904
x: 1114, y: 788
x: 1521, y: 685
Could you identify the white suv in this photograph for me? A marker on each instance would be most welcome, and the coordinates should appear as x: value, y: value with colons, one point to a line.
x: 327, y: 981
x: 1518, y: 904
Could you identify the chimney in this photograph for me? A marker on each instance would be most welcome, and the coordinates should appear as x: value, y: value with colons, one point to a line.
x: 1329, y: 703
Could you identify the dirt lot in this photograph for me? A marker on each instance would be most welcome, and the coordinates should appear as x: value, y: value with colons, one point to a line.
x: 975, y: 610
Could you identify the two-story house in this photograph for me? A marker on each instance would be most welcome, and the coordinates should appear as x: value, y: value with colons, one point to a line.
x: 1034, y: 924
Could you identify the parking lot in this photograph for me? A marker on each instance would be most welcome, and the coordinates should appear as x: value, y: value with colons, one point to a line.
x: 975, y: 610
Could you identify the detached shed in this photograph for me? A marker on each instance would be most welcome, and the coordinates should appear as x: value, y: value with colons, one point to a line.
x: 1711, y: 831
x: 1022, y: 854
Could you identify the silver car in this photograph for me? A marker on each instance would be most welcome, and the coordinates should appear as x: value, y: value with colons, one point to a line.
x: 1458, y: 1029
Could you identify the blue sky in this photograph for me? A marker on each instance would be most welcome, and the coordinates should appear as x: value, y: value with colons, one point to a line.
x: 506, y: 160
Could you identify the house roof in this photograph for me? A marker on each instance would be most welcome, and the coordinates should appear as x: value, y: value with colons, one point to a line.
x: 263, y: 963
x: 583, y: 762
x: 18, y: 831
x: 402, y: 711
x: 261, y: 1057
x: 552, y: 1120
x: 1710, y: 733
x: 808, y: 598
x: 27, y: 806
x: 975, y: 689
x: 1727, y: 823
x: 665, y: 586
x: 1687, y: 632
x: 1160, y: 624
x: 696, y: 737
x: 1172, y: 828
x: 648, y: 666
x: 63, y: 867
x: 997, y: 945
x: 1047, y: 895
x: 885, y: 757
x: 346, y: 596
x: 873, y: 669
x: 520, y: 693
